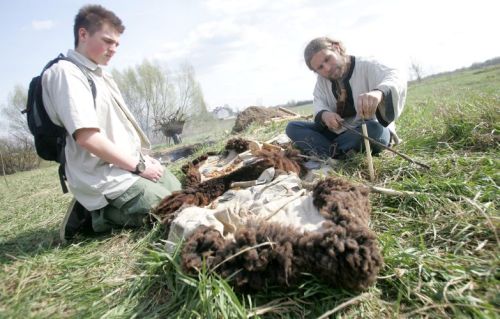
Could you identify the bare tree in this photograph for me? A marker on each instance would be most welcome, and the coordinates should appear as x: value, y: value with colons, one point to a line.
x: 162, y: 102
x: 128, y: 81
x: 158, y: 91
x: 148, y: 91
x: 190, y: 105
x: 18, y: 151
x: 191, y: 99
x: 16, y: 121
x: 416, y: 69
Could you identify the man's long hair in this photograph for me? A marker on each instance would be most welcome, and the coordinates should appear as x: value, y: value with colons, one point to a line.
x: 92, y: 17
x: 319, y: 44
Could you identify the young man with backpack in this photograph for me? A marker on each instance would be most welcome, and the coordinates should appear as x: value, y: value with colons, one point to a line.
x: 106, y: 171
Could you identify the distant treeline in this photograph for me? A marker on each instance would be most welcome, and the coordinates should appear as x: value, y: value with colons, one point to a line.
x: 473, y: 66
x: 293, y: 103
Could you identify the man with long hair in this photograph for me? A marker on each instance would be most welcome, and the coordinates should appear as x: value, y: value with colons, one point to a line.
x: 349, y: 90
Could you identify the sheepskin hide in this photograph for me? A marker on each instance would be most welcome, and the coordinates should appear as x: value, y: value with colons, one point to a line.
x: 341, y: 249
x: 343, y: 254
x: 203, y: 193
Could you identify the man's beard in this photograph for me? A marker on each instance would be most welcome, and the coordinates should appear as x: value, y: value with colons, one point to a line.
x: 337, y: 73
x: 340, y: 70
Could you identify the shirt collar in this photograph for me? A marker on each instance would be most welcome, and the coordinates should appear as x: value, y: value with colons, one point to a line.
x: 83, y: 60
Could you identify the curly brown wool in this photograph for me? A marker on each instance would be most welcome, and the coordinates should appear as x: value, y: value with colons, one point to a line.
x: 249, y: 265
x: 264, y: 254
x: 191, y: 170
x: 338, y: 199
x: 238, y: 144
x: 344, y: 254
x: 201, y: 248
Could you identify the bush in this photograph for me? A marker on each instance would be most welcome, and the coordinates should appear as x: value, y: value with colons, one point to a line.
x: 17, y: 156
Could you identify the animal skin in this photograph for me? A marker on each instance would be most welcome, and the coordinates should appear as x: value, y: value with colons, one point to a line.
x: 190, y: 170
x: 204, y: 193
x: 344, y: 254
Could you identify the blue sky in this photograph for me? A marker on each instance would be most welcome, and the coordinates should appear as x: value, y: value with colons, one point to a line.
x: 250, y: 52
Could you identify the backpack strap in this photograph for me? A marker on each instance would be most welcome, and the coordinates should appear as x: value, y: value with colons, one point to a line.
x: 62, y: 171
x: 93, y: 88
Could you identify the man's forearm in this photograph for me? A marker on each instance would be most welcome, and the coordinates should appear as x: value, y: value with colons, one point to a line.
x: 99, y: 145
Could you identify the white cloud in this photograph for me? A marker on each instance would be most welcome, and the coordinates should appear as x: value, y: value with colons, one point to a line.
x: 250, y: 52
x: 231, y: 7
x: 208, y: 45
x: 40, y: 25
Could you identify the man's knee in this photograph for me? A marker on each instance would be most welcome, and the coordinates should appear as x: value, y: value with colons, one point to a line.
x: 292, y: 128
x: 375, y: 129
x: 299, y: 130
x: 379, y: 133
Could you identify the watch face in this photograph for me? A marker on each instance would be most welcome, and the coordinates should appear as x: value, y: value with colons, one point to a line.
x: 141, y: 167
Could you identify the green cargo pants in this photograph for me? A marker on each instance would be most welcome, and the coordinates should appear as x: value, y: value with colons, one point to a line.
x: 132, y: 208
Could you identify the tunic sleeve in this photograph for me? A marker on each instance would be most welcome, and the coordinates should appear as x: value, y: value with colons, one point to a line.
x: 393, y: 84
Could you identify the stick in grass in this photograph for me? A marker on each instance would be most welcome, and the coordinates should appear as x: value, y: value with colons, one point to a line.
x: 368, y: 151
x: 406, y: 157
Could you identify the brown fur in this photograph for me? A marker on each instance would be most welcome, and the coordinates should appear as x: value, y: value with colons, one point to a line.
x: 345, y: 254
x: 191, y: 170
x: 339, y: 200
x: 346, y: 257
x: 203, y: 193
x: 252, y: 269
x: 287, y: 160
x: 238, y: 144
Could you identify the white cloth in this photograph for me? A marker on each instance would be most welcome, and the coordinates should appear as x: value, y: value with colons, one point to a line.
x: 368, y: 74
x: 282, y: 200
x: 68, y: 99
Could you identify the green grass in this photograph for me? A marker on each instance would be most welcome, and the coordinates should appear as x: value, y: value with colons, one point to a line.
x: 440, y: 246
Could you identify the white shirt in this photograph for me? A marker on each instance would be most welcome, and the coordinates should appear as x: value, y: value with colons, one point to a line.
x: 367, y: 74
x: 68, y: 99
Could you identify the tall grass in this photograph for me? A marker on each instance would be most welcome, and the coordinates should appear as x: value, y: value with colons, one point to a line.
x: 440, y: 243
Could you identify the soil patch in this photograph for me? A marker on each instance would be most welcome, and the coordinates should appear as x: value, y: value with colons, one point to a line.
x: 258, y: 115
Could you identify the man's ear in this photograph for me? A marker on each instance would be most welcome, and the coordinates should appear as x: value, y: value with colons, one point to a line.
x: 82, y: 34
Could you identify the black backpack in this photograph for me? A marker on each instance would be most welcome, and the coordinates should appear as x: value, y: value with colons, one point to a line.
x: 50, y: 139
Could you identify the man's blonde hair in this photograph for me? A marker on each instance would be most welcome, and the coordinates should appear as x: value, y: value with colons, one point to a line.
x: 319, y: 44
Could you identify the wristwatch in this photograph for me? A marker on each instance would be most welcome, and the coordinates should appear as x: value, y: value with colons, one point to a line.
x: 140, y: 167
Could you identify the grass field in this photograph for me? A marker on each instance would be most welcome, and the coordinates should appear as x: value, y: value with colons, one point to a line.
x: 440, y: 244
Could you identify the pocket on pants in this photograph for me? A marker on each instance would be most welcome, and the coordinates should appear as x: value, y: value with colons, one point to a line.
x: 131, y: 201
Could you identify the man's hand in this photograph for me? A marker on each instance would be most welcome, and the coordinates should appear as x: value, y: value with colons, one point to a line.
x: 332, y: 120
x: 368, y: 103
x: 154, y: 169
